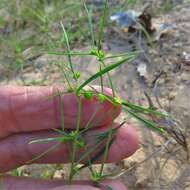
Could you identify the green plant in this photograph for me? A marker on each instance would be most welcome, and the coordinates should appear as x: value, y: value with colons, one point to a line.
x: 34, y: 24
x: 17, y: 172
x: 167, y: 6
x: 105, y: 139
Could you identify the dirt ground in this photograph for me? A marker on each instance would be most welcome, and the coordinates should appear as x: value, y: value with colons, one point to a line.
x: 166, y: 81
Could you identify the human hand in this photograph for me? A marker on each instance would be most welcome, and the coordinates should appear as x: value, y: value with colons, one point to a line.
x: 27, y: 115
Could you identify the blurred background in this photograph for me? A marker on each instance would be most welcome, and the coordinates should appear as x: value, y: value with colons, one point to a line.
x: 160, y: 76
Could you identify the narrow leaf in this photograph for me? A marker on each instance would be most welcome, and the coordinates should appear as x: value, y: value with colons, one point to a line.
x: 89, y: 16
x: 103, y: 71
x: 68, y: 46
x: 147, y: 123
x: 142, y: 109
x: 97, y: 156
x: 69, y: 53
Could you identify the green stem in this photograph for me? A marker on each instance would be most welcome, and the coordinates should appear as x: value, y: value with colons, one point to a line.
x: 89, y: 16
x: 101, y: 79
x: 43, y: 153
x: 69, y: 53
x: 66, y: 78
x: 74, y: 144
x: 102, y: 72
x: 68, y: 47
x: 62, y: 113
x: 102, y: 25
x: 123, y: 54
x: 110, y: 79
x: 106, y: 150
x: 88, y: 126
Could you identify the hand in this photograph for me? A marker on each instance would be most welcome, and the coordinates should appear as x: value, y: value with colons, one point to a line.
x: 26, y: 115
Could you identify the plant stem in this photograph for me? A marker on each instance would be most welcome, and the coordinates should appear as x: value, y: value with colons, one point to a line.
x: 89, y: 23
x: 62, y: 113
x: 51, y: 148
x: 74, y: 144
x: 88, y: 126
x: 123, y: 54
x: 66, y: 78
x: 110, y: 79
x: 68, y: 47
x: 102, y: 25
x: 103, y: 71
x: 101, y: 79
x: 106, y: 149
x: 69, y: 53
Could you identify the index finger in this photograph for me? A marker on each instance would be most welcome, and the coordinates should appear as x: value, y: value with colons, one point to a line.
x: 25, y: 109
x: 18, y: 183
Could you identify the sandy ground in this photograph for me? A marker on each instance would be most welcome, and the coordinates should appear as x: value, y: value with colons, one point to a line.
x: 167, y: 83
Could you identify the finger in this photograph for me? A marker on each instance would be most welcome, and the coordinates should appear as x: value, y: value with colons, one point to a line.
x: 17, y: 151
x: 86, y: 185
x: 25, y: 109
x: 112, y: 184
x: 19, y: 183
x: 75, y: 187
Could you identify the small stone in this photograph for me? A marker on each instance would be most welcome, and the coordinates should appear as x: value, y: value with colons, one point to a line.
x: 59, y: 174
x: 185, y: 77
x: 172, y: 95
x: 162, y: 81
x: 186, y: 113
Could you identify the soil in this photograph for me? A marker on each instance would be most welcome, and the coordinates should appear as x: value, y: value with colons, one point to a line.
x: 163, y: 73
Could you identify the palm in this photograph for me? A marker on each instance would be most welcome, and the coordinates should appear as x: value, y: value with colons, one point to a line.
x: 26, y: 115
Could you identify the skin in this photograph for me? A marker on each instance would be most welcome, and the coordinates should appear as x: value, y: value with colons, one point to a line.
x: 30, y: 113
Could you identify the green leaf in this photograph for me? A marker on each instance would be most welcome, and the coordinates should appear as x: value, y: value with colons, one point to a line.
x: 103, y: 71
x: 99, y: 154
x: 142, y: 109
x: 46, y: 140
x: 76, y: 75
x: 94, y: 52
x: 101, y: 97
x: 117, y: 100
x: 97, y: 176
x: 81, y: 143
x: 88, y: 95
x: 148, y: 124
